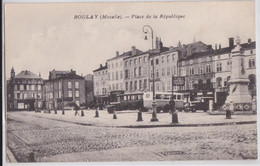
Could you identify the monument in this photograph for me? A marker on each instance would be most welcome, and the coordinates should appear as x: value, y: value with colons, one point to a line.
x: 239, y: 98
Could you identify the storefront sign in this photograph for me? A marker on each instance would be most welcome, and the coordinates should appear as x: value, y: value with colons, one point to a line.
x: 178, y: 81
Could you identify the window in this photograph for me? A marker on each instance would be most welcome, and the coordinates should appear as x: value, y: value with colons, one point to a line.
x: 183, y: 71
x: 145, y: 59
x: 112, y: 65
x: 39, y: 96
x: 76, y: 93
x: 140, y: 84
x: 15, y: 87
x: 251, y: 51
x: 121, y: 74
x: 168, y: 85
x: 121, y: 63
x: 126, y: 86
x: 113, y: 86
x: 135, y: 61
x: 131, y: 62
x: 151, y: 62
x: 173, y: 57
x: 77, y: 85
x: 229, y: 65
x: 28, y: 87
x: 191, y: 61
x: 32, y: 87
x: 208, y: 68
x: 163, y: 59
x: 131, y: 85
x: 163, y: 71
x: 219, y: 67
x: 69, y: 93
x: 151, y: 73
x: 140, y: 71
x: 126, y: 74
x: 116, y: 75
x: 126, y: 63
x: 168, y: 58
x: 140, y: 60
x: 157, y: 87
x: 117, y: 86
x: 219, y: 82
x: 112, y: 75
x: 135, y: 71
x: 191, y: 70
x: 121, y: 86
x: 200, y: 69
x: 168, y: 71
x: 135, y: 85
x: 69, y: 85
x: 157, y: 73
x: 251, y: 63
x: 145, y: 83
x: 157, y: 61
x: 39, y: 87
x: 21, y: 87
x: 116, y: 64
x: 191, y: 85
x: 163, y: 86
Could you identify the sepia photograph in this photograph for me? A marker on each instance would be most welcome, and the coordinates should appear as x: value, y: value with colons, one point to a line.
x: 129, y: 82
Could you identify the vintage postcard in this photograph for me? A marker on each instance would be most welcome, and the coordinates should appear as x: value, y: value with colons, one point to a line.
x: 130, y: 81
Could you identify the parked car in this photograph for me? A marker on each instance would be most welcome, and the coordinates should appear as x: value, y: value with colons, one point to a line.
x: 200, y: 103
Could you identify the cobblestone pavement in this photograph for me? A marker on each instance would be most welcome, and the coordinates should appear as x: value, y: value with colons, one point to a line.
x: 52, y: 140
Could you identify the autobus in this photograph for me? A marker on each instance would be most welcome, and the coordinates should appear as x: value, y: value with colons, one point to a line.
x: 143, y: 101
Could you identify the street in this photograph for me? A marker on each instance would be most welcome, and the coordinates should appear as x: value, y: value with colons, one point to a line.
x: 52, y: 140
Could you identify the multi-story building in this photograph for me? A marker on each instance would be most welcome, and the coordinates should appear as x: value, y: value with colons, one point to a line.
x: 89, y: 90
x: 223, y: 66
x: 196, y: 68
x: 136, y: 73
x: 64, y: 88
x: 100, y: 83
x: 25, y: 91
x: 116, y: 70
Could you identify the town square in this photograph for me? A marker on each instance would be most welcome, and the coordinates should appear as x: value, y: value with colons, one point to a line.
x: 122, y: 82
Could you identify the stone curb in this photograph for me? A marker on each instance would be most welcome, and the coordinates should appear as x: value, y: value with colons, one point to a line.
x: 189, y: 125
x: 162, y: 125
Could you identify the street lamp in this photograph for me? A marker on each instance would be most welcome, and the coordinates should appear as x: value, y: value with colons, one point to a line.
x: 146, y: 29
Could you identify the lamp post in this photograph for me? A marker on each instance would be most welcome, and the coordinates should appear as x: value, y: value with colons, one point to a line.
x: 146, y: 29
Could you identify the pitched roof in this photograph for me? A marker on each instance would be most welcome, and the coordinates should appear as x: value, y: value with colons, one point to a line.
x: 101, y: 68
x: 126, y: 54
x: 225, y: 50
x: 27, y: 74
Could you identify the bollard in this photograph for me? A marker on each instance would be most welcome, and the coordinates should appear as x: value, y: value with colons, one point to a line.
x: 82, y: 113
x: 139, y: 117
x: 63, y: 112
x: 31, y: 157
x: 49, y: 111
x: 175, y: 117
x: 97, y: 114
x: 228, y: 114
x: 55, y: 110
x: 114, y: 115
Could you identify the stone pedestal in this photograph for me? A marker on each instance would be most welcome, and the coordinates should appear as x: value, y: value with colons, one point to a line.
x: 239, y: 96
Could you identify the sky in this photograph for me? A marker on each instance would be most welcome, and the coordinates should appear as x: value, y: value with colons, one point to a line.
x: 43, y: 37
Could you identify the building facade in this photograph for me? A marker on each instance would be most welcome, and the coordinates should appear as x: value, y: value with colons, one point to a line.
x: 136, y: 73
x: 223, y: 68
x: 89, y: 91
x: 24, y: 91
x: 100, y: 83
x: 63, y: 88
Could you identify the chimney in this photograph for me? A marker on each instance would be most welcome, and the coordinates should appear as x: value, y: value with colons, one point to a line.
x: 117, y: 53
x: 101, y: 65
x: 249, y: 41
x: 158, y: 43
x: 106, y: 63
x: 134, y: 52
x: 231, y: 42
x: 219, y: 46
x: 171, y: 48
x: 209, y: 47
x: 216, y: 46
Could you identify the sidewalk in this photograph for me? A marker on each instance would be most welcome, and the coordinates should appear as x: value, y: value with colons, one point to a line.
x: 129, y: 119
